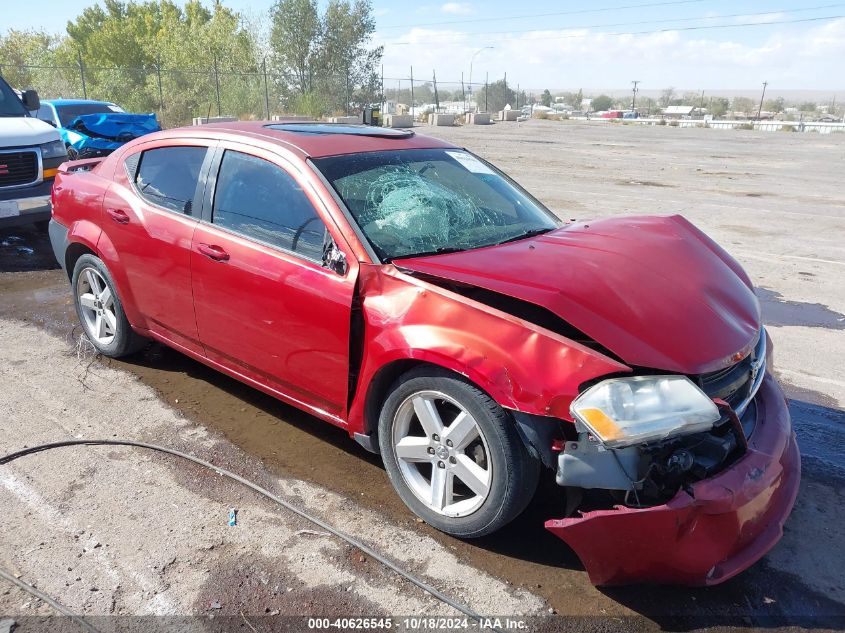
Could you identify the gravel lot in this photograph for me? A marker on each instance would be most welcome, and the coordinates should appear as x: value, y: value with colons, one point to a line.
x: 121, y: 531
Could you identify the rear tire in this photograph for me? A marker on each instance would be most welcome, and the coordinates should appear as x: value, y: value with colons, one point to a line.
x: 454, y: 455
x: 100, y: 311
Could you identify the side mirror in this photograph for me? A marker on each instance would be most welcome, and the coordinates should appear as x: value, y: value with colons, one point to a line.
x: 334, y: 259
x: 30, y: 100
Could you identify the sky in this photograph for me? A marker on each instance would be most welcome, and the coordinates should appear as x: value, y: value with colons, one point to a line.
x: 598, y: 44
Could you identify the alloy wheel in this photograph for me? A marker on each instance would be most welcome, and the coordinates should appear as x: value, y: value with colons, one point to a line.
x: 96, y: 306
x: 442, y: 453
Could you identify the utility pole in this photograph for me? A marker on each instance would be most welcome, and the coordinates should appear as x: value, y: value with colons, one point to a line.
x: 762, y: 96
x: 634, y: 97
x: 701, y: 105
x: 413, y: 112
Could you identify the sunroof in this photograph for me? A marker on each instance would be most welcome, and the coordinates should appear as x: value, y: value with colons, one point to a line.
x: 340, y: 128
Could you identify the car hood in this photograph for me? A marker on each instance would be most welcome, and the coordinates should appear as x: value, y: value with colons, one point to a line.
x: 21, y: 131
x: 655, y: 291
x: 114, y: 127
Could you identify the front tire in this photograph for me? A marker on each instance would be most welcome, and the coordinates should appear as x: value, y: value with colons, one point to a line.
x: 454, y: 455
x: 100, y: 310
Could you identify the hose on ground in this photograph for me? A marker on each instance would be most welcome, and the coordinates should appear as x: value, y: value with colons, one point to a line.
x: 433, y: 591
x: 48, y: 600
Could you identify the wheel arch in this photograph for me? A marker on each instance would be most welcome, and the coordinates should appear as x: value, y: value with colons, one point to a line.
x: 378, y: 389
x: 74, y: 251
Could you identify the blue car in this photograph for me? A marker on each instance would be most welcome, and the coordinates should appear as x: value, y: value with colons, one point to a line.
x: 94, y: 128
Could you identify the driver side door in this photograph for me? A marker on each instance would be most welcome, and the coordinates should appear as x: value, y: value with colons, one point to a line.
x: 267, y: 308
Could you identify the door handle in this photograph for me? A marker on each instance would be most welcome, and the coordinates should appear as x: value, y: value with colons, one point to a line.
x: 118, y: 215
x: 213, y: 252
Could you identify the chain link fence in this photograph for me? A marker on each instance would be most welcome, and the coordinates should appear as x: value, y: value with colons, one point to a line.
x: 177, y: 96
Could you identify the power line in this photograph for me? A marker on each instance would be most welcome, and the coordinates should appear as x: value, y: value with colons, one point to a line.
x: 669, y: 30
x: 668, y: 20
x: 542, y: 15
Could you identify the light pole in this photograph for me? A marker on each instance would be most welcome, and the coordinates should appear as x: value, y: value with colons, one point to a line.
x: 472, y: 59
x: 634, y: 95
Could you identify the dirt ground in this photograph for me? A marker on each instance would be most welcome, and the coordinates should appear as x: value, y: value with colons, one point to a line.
x: 121, y: 531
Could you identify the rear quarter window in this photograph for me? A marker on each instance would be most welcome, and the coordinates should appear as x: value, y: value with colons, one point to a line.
x: 167, y: 176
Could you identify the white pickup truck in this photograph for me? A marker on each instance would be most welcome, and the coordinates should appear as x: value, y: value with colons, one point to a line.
x: 30, y: 154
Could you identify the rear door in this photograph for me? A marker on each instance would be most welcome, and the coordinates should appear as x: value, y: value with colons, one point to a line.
x: 150, y: 215
x: 265, y: 305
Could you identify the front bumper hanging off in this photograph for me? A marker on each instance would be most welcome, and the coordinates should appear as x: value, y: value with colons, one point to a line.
x: 722, y: 526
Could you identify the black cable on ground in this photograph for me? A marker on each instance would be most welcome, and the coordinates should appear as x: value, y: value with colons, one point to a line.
x: 262, y: 491
x: 47, y: 599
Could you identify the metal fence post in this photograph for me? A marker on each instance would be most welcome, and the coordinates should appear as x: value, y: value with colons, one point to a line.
x: 217, y: 87
x: 266, y: 88
x: 82, y: 74
x: 160, y: 92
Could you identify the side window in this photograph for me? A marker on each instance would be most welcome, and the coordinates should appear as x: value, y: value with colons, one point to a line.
x: 260, y: 200
x: 167, y: 176
x: 45, y: 113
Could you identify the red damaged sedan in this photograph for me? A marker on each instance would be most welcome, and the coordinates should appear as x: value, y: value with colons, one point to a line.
x: 409, y: 292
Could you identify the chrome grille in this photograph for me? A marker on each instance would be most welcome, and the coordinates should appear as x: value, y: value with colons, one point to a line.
x: 737, y: 385
x: 18, y: 167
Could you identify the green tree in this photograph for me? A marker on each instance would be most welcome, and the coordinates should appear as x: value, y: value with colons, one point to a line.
x: 808, y: 106
x: 496, y: 95
x: 602, y: 102
x: 718, y: 106
x: 294, y: 39
x: 328, y: 54
x: 667, y: 96
x: 546, y: 98
x: 774, y: 105
x: 124, y: 45
x: 19, y: 49
x: 743, y: 105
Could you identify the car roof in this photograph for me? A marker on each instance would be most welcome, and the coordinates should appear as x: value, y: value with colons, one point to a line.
x: 313, y: 139
x: 57, y: 102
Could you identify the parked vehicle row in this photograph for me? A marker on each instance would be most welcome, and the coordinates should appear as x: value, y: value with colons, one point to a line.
x: 30, y: 154
x: 37, y: 136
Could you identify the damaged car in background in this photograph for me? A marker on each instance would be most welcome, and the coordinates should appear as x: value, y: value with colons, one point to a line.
x: 409, y: 292
x: 94, y: 128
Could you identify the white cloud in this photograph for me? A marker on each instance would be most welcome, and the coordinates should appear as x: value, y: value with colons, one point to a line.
x: 457, y: 8
x: 806, y: 58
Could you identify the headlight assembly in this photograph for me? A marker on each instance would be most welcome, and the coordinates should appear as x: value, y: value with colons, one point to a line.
x: 626, y: 411
x: 53, y: 149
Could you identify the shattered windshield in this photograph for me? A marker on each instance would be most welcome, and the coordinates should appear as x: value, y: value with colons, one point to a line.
x: 426, y: 201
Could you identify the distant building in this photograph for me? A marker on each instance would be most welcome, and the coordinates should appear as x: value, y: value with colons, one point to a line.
x: 677, y: 112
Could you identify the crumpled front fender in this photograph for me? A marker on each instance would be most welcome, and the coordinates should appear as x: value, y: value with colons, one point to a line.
x: 721, y: 527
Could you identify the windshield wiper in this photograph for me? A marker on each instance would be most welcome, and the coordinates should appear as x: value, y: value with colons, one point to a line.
x: 526, y: 235
x: 437, y: 251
